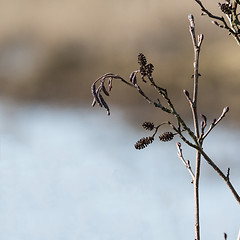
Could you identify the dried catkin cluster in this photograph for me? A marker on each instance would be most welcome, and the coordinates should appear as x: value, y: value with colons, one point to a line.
x: 148, y: 126
x: 143, y: 142
x: 142, y: 61
x: 166, y: 137
x: 145, y: 69
x: 226, y: 8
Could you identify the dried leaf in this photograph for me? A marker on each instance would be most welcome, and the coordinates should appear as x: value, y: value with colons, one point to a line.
x: 109, y: 84
x: 104, y: 89
x: 104, y: 104
x: 95, y: 94
x: 94, y: 102
x: 133, y: 78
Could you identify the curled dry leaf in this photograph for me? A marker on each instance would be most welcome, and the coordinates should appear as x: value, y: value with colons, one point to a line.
x: 95, y: 95
x: 104, y: 89
x: 133, y: 78
x: 104, y: 104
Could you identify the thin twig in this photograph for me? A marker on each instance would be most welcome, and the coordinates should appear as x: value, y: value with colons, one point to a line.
x: 215, y: 122
x: 226, y: 178
x: 193, y: 104
x: 186, y: 163
x: 231, y: 30
x: 196, y: 46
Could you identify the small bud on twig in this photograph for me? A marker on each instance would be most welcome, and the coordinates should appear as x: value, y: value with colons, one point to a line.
x: 204, y: 117
x: 186, y: 93
x: 216, y: 121
x: 217, y: 24
x: 225, y: 110
x: 191, y: 20
x: 203, y: 125
x: 186, y: 163
x: 200, y: 39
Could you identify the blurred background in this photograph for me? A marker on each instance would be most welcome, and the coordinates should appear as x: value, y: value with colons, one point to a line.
x: 68, y: 171
x: 51, y: 51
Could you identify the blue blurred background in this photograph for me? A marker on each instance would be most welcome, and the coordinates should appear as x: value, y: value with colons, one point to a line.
x: 68, y: 171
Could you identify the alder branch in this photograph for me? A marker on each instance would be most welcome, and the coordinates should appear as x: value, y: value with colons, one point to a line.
x: 230, y: 11
x: 99, y: 90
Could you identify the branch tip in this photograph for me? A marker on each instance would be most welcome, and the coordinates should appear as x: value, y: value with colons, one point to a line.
x: 186, y: 93
x: 228, y: 173
x: 191, y: 20
x: 225, y: 110
x: 200, y: 39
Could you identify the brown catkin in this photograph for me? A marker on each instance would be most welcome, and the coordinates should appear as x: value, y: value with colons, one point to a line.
x: 150, y: 68
x: 167, y: 136
x: 226, y: 8
x: 143, y: 142
x: 142, y: 59
x: 148, y: 126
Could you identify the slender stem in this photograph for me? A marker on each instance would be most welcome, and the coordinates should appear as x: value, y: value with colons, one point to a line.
x: 225, y: 110
x: 196, y: 195
x: 226, y: 178
x: 196, y: 46
x: 186, y: 163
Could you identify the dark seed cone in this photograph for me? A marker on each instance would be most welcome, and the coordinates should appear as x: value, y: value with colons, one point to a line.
x: 142, y: 59
x: 226, y: 8
x: 150, y: 68
x: 143, y: 71
x: 143, y: 142
x: 167, y: 136
x: 148, y: 126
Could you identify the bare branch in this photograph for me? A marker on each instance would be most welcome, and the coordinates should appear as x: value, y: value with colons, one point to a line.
x: 196, y: 47
x: 193, y: 105
x: 232, y: 18
x: 215, y: 122
x: 186, y: 93
x: 222, y: 175
x: 186, y: 163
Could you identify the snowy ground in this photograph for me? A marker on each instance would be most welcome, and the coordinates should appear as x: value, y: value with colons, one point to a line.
x: 73, y: 174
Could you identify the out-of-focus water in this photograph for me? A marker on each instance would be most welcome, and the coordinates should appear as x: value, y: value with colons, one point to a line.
x: 74, y: 174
